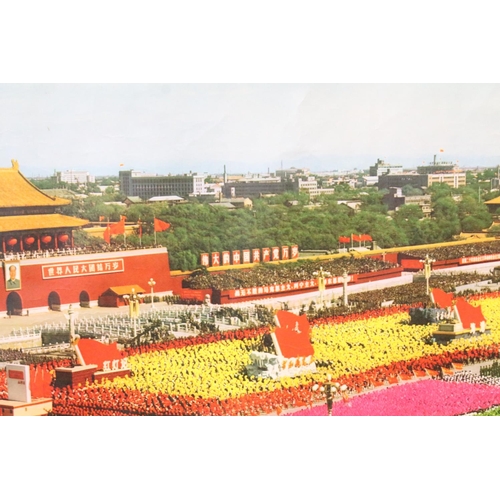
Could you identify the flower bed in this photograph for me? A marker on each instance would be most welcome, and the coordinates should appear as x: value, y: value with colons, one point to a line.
x: 423, y: 398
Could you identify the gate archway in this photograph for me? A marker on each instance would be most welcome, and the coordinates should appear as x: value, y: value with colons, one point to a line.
x: 84, y: 299
x: 54, y: 301
x: 14, y: 304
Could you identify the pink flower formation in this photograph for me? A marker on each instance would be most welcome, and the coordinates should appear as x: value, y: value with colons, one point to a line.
x: 423, y: 398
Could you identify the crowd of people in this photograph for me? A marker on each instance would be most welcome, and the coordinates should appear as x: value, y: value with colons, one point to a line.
x: 414, y: 294
x: 362, y: 351
x: 269, y: 274
x: 68, y: 250
x: 450, y: 252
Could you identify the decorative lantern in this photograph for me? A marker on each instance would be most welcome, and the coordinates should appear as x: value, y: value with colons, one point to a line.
x: 63, y: 238
x: 29, y: 240
x: 46, y: 239
x: 11, y: 242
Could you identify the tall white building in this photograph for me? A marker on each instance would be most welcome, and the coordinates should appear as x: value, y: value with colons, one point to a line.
x: 75, y: 177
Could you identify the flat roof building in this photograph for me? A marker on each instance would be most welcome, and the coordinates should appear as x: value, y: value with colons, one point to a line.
x: 146, y: 186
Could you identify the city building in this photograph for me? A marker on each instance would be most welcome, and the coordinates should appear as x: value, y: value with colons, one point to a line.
x: 291, y: 173
x: 382, y: 168
x: 310, y: 186
x: 400, y: 180
x: 396, y: 199
x: 146, y: 186
x: 454, y: 179
x: 257, y: 186
x: 75, y: 177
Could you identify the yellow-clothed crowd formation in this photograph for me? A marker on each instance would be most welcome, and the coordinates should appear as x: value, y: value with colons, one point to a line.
x: 217, y: 370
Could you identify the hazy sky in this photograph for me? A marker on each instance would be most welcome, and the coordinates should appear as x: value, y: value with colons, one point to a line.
x: 174, y: 128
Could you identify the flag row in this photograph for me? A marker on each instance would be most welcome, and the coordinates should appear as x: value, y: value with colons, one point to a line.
x: 355, y: 237
x: 236, y: 257
x: 119, y: 227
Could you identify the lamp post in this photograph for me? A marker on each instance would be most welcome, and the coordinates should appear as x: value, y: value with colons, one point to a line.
x: 345, y: 279
x: 152, y: 283
x: 133, y: 307
x: 71, y: 316
x: 321, y: 282
x: 329, y: 389
x: 427, y: 262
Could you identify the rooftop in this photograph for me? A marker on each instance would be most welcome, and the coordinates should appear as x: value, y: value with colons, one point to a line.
x: 17, y: 191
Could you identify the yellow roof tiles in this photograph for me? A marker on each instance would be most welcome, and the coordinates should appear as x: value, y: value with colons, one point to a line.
x: 17, y: 191
x: 39, y: 222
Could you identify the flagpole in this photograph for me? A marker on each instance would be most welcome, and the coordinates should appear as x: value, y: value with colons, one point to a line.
x: 155, y: 238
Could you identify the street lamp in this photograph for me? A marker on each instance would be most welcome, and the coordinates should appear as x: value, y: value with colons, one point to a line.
x: 321, y: 282
x: 329, y: 389
x: 427, y: 262
x: 345, y: 279
x: 152, y: 283
x: 133, y: 307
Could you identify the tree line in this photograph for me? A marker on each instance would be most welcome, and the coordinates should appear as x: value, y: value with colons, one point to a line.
x: 198, y: 228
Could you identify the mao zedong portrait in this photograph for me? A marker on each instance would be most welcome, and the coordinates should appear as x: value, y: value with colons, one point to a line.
x: 13, y: 283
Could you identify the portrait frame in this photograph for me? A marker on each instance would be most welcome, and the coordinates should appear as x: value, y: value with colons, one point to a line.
x: 12, y: 282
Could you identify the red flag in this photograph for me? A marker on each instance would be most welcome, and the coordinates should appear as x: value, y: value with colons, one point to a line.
x: 106, y: 235
x: 355, y: 237
x: 118, y: 228
x: 96, y: 353
x: 161, y: 225
x: 366, y: 237
x: 292, y: 335
x: 441, y: 298
x: 344, y: 239
x: 469, y: 314
x: 101, y: 218
x: 123, y: 218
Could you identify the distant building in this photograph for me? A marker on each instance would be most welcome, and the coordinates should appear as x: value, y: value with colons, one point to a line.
x: 454, y: 179
x: 382, y: 168
x: 256, y: 186
x: 238, y: 202
x: 146, y: 186
x: 396, y: 199
x: 415, y: 180
x: 291, y: 173
x: 437, y: 166
x: 310, y: 186
x: 75, y: 177
x: 370, y: 180
x: 493, y: 205
x: 171, y: 200
x: 132, y: 200
x: 353, y: 205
